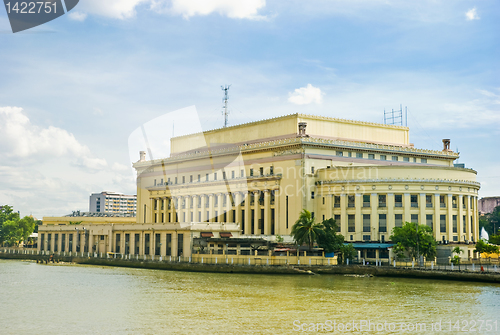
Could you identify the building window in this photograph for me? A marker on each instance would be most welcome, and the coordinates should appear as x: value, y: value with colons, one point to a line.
x: 349, y: 154
x: 454, y: 201
x: 251, y: 172
x: 366, y: 200
x: 312, y: 195
x: 175, y: 180
x: 351, y: 201
x: 382, y: 223
x: 383, y: 157
x: 183, y: 179
x: 464, y: 224
x: 232, y: 174
x: 323, y: 200
x: 428, y: 201
x: 442, y: 223
x: 340, y: 153
x: 199, y: 178
x: 215, y: 176
x: 398, y: 200
x: 359, y: 155
x: 429, y: 221
x: 414, y: 200
x: 371, y: 156
x: 423, y: 160
x: 442, y: 202
x: 312, y: 169
x: 406, y: 159
x: 455, y: 224
x: 261, y: 171
x: 366, y: 223
x: 336, y: 201
x: 366, y: 237
x: 414, y: 218
x: 382, y: 200
x: 206, y: 177
x: 242, y: 173
x: 271, y: 170
x: 351, y: 223
x: 398, y: 220
x: 395, y: 158
x: 414, y: 159
x: 337, y: 222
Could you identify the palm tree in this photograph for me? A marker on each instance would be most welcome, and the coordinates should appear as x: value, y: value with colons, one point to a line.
x: 305, y: 230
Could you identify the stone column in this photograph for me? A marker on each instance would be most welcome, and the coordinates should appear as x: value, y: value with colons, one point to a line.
x: 248, y: 224
x: 220, y: 216
x: 267, y: 213
x: 174, y: 244
x: 203, y: 209
x: 256, y: 207
x: 229, y: 208
x: 374, y: 212
x: 475, y: 219
x: 461, y: 222
x: 110, y: 241
x: 237, y: 206
x: 422, y: 206
x: 437, y: 218
x: 211, y: 207
x: 391, y: 218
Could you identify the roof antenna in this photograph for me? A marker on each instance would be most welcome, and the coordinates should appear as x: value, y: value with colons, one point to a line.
x: 226, y: 98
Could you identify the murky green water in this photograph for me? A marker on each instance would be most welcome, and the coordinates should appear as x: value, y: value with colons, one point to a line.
x: 76, y: 299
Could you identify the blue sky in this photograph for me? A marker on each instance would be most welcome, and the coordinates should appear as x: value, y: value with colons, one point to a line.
x: 73, y: 90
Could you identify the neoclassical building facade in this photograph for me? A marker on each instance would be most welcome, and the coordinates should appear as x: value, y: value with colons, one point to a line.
x: 254, y: 179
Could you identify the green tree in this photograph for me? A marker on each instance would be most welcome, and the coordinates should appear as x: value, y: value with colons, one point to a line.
x: 456, y: 259
x: 491, y: 222
x: 6, y: 214
x: 412, y: 242
x: 305, y: 230
x: 14, y: 230
x: 494, y: 239
x: 329, y: 240
x: 482, y: 246
x: 347, y: 251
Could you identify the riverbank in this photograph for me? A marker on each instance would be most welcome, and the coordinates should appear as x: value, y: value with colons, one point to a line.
x: 378, y: 271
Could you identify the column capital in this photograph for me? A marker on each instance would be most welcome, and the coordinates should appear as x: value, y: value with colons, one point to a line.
x: 266, y: 191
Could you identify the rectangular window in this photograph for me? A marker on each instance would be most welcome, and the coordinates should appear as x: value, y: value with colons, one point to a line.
x: 127, y: 244
x: 206, y: 177
x: 242, y: 173
x: 146, y: 243
x: 224, y: 175
x: 454, y: 201
x: 180, y: 244
x: 351, y: 223
x: 382, y: 223
x: 442, y: 223
x: 337, y: 221
x: 428, y: 201
x: 398, y: 200
x: 56, y: 241
x: 383, y: 157
x: 215, y: 176
x: 406, y: 159
x: 371, y: 156
x: 191, y: 178
x: 366, y: 223
x: 414, y: 200
x: 349, y: 154
x: 382, y: 200
x: 271, y: 170
x: 366, y: 200
x: 395, y: 158
x: 169, y: 245
x: 261, y: 170
x: 442, y: 202
x: 117, y: 243
x: 414, y: 159
x: 398, y: 220
x: 136, y: 244
x: 336, y: 201
x: 429, y: 221
x: 464, y: 224
x: 366, y: 237
x: 323, y: 200
x: 312, y: 195
x: 199, y: 178
x: 340, y: 153
x: 455, y: 224
x: 251, y: 172
x: 183, y: 179
x: 351, y: 201
x: 414, y: 218
x: 312, y: 169
x: 423, y: 160
x: 359, y: 155
x: 232, y: 174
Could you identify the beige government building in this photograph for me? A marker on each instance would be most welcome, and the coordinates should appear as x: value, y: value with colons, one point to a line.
x: 224, y: 190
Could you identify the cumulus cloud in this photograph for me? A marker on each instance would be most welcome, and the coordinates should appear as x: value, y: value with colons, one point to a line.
x: 471, y: 14
x: 306, y: 95
x: 247, y: 9
x: 19, y: 138
x: 117, y: 9
x: 77, y: 16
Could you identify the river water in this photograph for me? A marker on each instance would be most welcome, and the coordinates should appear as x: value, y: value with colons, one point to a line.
x: 80, y: 299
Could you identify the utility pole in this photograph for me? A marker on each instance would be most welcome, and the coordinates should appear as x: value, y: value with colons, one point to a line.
x: 225, y: 112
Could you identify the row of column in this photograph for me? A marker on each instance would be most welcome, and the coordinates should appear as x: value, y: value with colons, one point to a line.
x: 470, y: 213
x: 196, y: 211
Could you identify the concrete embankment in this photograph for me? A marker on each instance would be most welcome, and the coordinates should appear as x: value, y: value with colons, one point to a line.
x: 303, y: 270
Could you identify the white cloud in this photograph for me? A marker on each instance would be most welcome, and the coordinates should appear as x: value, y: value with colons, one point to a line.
x: 117, y: 9
x: 247, y: 9
x: 19, y: 138
x: 78, y: 16
x: 472, y: 14
x: 306, y: 95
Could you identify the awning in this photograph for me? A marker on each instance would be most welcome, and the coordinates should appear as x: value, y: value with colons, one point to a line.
x: 207, y: 234
x: 226, y: 234
x: 372, y: 245
x: 284, y: 249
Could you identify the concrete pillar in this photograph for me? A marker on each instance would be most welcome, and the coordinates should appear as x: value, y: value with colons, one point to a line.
x: 237, y: 206
x: 390, y: 220
x: 374, y: 213
x: 248, y: 224
x: 358, y: 203
x: 475, y: 218
x: 220, y: 208
x: 211, y: 207
x: 256, y: 213
x: 437, y: 218
x: 407, y: 207
x: 449, y: 217
x: 267, y: 213
x: 343, y: 216
x: 422, y: 207
x: 229, y: 208
x: 461, y: 222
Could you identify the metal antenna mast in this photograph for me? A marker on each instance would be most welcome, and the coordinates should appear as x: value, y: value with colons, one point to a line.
x: 226, y: 98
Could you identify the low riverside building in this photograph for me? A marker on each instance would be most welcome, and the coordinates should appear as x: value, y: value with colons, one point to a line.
x: 257, y: 177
